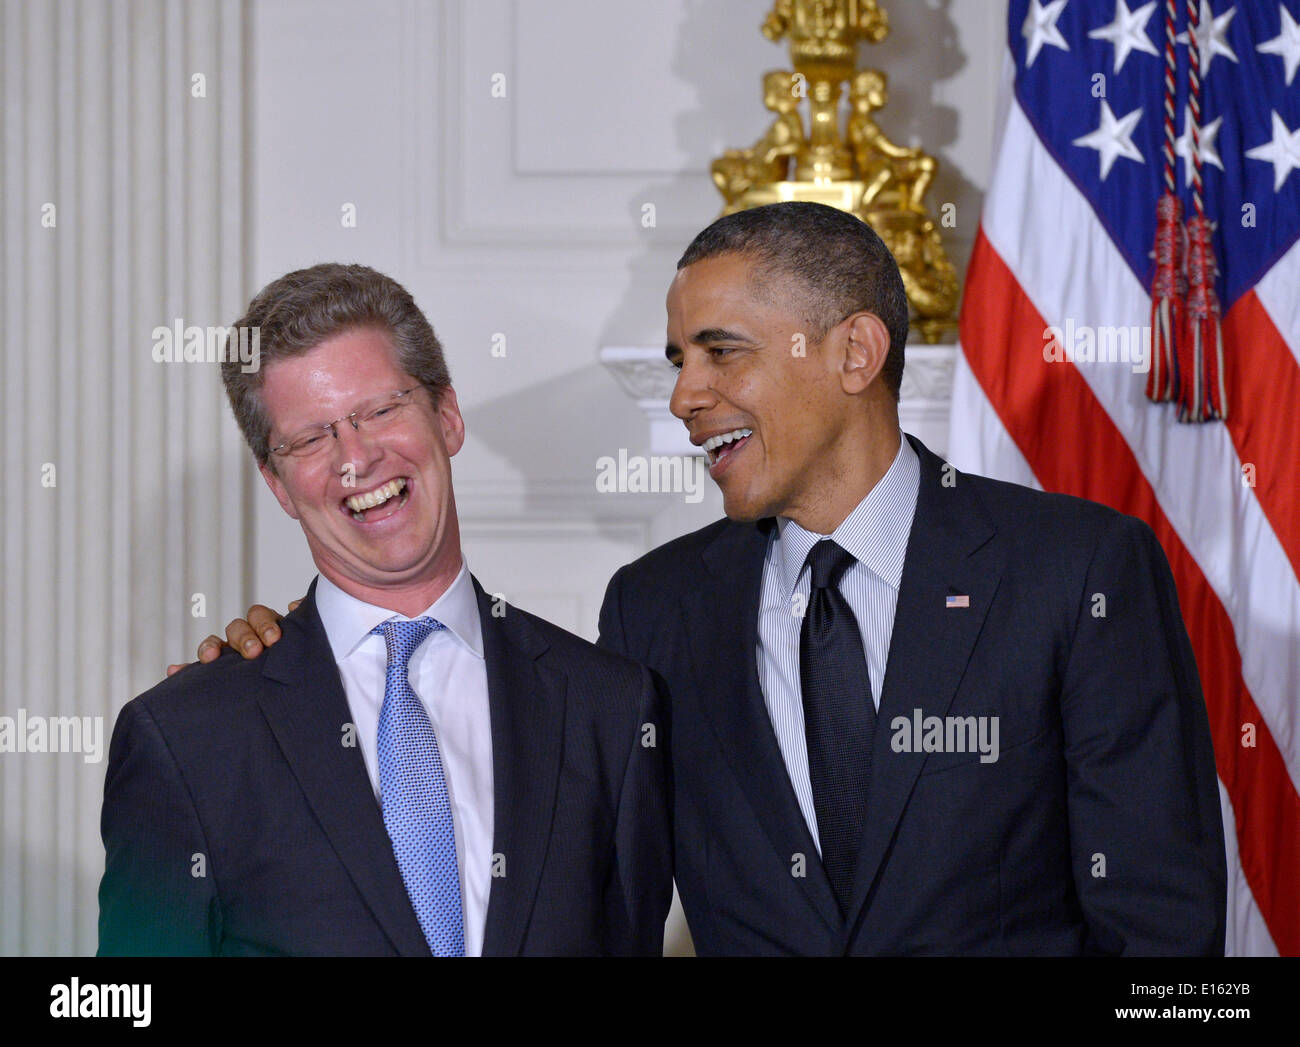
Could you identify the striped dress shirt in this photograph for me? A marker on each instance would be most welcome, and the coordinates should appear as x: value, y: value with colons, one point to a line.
x: 876, y: 534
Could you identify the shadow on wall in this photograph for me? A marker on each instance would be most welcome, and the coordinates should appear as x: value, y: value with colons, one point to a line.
x: 582, y: 403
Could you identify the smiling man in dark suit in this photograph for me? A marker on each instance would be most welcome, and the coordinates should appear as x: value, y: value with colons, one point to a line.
x: 1060, y: 794
x: 914, y: 710
x: 415, y: 767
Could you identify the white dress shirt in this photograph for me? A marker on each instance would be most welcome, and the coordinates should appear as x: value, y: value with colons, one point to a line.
x: 449, y: 675
x: 876, y: 534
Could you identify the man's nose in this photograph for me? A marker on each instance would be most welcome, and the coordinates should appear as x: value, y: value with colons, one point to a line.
x: 355, y: 447
x: 692, y: 392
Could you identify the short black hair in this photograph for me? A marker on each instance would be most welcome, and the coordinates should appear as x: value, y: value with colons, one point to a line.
x: 844, y: 265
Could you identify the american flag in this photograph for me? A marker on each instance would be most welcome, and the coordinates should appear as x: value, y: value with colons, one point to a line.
x: 1051, y: 387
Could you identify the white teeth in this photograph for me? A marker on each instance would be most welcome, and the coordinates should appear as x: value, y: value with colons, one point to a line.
x: 359, y: 503
x: 714, y: 442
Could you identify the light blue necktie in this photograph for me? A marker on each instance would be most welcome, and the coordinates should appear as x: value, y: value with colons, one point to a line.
x: 413, y: 788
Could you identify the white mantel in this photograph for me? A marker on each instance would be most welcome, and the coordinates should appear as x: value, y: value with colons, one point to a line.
x: 647, y: 378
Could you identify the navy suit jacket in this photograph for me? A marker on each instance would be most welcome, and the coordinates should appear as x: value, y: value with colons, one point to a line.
x: 1098, y: 828
x: 237, y: 771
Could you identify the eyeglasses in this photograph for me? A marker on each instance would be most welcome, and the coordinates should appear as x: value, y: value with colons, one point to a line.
x: 370, y: 419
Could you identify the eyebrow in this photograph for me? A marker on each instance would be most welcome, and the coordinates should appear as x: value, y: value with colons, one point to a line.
x: 712, y: 335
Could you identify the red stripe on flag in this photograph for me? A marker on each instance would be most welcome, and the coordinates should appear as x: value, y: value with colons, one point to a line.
x: 1002, y: 335
x: 1263, y: 382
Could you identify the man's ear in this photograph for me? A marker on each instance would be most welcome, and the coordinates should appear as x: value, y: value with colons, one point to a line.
x: 865, y: 353
x: 450, y: 421
x: 278, y: 489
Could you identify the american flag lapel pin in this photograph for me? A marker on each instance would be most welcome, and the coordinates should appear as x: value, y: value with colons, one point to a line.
x: 961, y: 600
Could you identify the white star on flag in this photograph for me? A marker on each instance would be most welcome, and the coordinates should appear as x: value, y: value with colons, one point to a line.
x: 1283, y: 152
x: 1113, y: 138
x: 1128, y: 32
x: 1286, y: 44
x: 1209, y: 154
x: 1040, y: 28
x: 1211, y: 36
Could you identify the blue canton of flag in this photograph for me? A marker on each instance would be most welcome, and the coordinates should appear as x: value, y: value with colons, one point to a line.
x: 1090, y: 77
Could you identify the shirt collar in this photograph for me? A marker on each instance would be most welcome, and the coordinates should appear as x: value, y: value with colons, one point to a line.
x: 348, y: 621
x: 875, y: 532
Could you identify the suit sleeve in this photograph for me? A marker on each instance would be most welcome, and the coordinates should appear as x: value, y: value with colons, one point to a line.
x: 643, y: 833
x: 1146, y: 833
x: 157, y: 897
x: 612, y: 636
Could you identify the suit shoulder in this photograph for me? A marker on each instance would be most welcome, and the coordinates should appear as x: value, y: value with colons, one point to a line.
x: 203, y: 692
x: 1049, y: 520
x: 1058, y: 535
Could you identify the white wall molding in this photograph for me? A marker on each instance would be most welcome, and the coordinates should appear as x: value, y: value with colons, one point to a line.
x: 645, y: 375
x: 487, y: 198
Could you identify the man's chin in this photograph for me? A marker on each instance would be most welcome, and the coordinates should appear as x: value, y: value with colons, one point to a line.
x: 744, y: 511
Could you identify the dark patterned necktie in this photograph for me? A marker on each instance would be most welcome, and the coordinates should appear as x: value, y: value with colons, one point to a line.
x: 839, y: 717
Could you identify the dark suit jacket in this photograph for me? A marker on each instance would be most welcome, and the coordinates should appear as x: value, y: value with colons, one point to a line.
x: 1098, y: 829
x: 243, y: 763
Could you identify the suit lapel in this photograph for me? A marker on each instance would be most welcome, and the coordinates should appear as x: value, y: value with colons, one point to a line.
x: 527, y: 703
x: 948, y: 553
x: 306, y: 708
x: 722, y: 626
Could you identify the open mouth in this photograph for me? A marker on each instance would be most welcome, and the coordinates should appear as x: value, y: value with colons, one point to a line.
x: 382, y: 502
x: 721, y: 447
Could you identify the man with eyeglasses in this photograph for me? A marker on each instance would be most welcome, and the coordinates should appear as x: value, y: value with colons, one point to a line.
x: 415, y: 767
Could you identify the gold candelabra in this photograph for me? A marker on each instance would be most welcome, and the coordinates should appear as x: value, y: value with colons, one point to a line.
x: 856, y: 168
